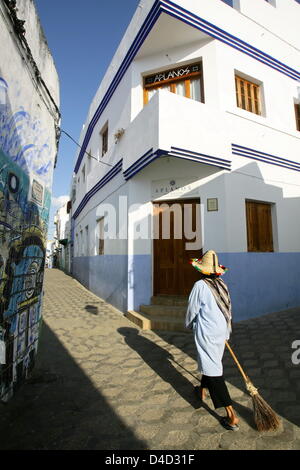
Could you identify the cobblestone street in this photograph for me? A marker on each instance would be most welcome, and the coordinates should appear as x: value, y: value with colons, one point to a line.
x: 100, y: 383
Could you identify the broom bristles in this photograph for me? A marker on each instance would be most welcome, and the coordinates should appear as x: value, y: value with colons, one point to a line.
x: 265, y: 418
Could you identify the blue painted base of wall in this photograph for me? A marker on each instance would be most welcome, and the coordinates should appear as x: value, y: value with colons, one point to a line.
x: 139, y: 281
x: 262, y: 283
x: 105, y: 276
x: 259, y: 283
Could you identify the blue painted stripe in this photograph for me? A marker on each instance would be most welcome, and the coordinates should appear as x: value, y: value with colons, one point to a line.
x: 106, y: 178
x: 236, y: 146
x: 222, y: 35
x: 138, y: 41
x: 94, y: 190
x: 200, y: 156
x: 142, y: 165
x: 191, y: 19
x: 206, y: 161
x: 150, y: 156
x: 140, y: 160
x: 265, y: 157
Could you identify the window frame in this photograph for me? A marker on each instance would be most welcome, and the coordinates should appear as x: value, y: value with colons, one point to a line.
x: 104, y: 139
x: 252, y: 98
x: 186, y: 79
x: 86, y: 240
x: 100, y: 242
x: 297, y: 115
x: 259, y: 223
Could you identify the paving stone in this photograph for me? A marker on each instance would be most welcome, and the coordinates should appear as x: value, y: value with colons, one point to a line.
x: 207, y: 441
x: 237, y: 440
x: 175, y: 439
x: 296, y: 444
x: 152, y: 415
x: 277, y: 383
x: 111, y: 391
x: 267, y: 356
x: 147, y: 431
x: 270, y: 364
x: 272, y: 443
x: 275, y: 373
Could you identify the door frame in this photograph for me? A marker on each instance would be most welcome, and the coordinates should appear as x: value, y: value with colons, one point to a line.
x: 196, y: 199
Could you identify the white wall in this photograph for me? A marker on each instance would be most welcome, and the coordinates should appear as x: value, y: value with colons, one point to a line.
x: 210, y: 127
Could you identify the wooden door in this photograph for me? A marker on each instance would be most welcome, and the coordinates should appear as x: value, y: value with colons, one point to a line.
x: 173, y: 274
x: 259, y: 226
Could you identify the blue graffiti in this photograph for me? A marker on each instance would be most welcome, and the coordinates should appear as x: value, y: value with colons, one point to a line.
x: 23, y: 139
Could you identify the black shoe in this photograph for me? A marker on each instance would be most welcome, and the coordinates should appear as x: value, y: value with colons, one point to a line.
x: 226, y: 425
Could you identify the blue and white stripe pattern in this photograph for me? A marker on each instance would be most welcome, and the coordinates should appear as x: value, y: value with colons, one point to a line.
x: 172, y: 9
x: 200, y: 158
x: 218, y: 33
x: 141, y: 162
x: 106, y: 178
x: 150, y: 156
x: 264, y: 157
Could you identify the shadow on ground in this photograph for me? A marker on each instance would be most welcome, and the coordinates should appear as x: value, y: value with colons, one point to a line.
x: 59, y: 408
x: 265, y: 355
x: 165, y: 366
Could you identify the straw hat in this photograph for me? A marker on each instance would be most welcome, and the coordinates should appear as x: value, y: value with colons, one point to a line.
x: 209, y: 264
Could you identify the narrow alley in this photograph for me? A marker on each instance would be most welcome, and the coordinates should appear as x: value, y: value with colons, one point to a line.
x: 100, y: 383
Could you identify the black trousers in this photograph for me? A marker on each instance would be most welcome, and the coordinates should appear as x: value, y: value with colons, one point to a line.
x: 217, y: 389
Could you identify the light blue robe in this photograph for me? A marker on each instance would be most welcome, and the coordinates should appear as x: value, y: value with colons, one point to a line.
x: 210, y: 329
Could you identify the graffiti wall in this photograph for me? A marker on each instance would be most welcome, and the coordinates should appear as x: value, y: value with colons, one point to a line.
x: 26, y: 168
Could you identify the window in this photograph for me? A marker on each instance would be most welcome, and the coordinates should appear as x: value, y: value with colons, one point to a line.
x: 104, y: 140
x: 229, y: 2
x: 100, y: 234
x: 83, y: 174
x: 259, y: 226
x: 77, y: 246
x: 297, y: 113
x: 247, y: 95
x: 86, y: 240
x: 81, y: 244
x: 184, y: 81
x: 89, y: 161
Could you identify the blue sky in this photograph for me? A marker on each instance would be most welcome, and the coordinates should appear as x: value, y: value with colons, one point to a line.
x: 82, y: 37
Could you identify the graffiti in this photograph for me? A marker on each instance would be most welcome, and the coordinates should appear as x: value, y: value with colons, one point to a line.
x: 24, y: 139
x: 25, y: 173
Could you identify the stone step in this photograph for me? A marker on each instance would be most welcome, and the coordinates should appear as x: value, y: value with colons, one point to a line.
x: 172, y: 311
x: 178, y: 300
x: 147, y: 322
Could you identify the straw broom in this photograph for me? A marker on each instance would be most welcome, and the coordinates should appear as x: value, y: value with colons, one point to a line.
x: 265, y: 418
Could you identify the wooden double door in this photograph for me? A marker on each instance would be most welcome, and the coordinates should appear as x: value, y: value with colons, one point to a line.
x: 177, y: 239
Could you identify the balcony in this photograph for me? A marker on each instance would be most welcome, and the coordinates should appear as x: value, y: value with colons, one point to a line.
x: 178, y: 126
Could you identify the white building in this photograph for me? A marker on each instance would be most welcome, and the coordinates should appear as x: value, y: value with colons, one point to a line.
x: 62, y: 238
x: 200, y: 105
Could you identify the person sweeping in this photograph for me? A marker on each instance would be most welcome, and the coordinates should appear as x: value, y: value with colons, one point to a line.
x: 209, y: 315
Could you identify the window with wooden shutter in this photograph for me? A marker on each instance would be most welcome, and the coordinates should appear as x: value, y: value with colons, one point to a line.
x: 247, y: 95
x: 184, y: 81
x: 297, y: 112
x: 259, y: 226
x: 104, y: 140
x: 100, y: 248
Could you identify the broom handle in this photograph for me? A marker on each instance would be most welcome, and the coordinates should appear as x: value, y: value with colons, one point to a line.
x: 237, y: 362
